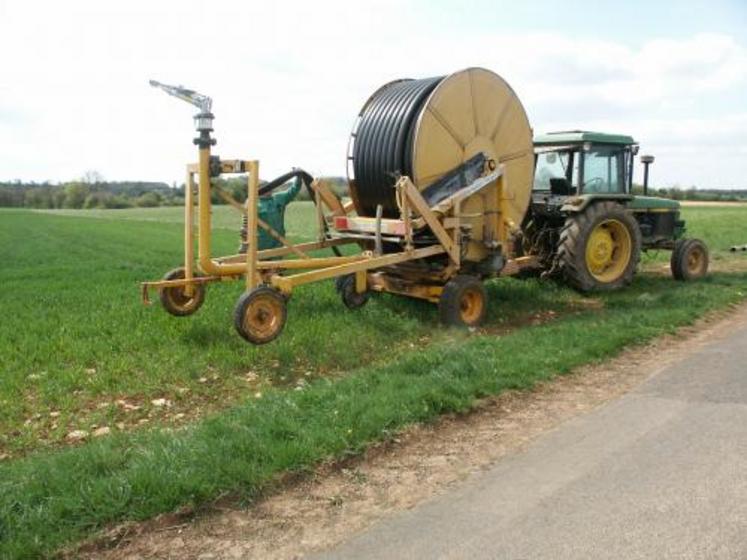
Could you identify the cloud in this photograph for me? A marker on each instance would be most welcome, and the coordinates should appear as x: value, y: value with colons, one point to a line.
x: 289, y: 78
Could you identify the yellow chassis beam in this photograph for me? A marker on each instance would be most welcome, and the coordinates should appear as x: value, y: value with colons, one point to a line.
x: 258, y: 267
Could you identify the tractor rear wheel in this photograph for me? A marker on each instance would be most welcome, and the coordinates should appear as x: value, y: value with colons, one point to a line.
x: 260, y: 314
x: 175, y: 299
x: 463, y: 302
x: 689, y: 259
x: 599, y: 248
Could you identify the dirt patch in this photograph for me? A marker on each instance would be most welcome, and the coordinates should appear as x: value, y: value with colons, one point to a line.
x: 344, y: 498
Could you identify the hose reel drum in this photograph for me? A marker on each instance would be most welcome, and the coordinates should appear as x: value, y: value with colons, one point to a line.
x: 428, y: 127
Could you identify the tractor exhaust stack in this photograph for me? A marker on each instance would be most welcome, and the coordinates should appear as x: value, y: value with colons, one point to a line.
x: 646, y: 161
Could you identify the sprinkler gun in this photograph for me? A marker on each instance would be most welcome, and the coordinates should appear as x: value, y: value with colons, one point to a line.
x: 203, y: 119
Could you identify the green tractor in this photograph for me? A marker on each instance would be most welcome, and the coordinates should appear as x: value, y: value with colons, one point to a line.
x: 586, y: 225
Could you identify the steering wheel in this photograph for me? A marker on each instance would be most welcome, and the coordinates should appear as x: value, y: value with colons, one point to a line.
x: 594, y: 183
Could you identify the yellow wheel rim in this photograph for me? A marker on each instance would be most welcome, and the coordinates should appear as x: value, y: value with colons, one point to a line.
x: 262, y: 317
x: 471, y: 306
x: 695, y: 260
x: 608, y: 251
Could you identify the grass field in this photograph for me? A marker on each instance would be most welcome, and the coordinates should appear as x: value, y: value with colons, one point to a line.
x: 80, y: 352
x: 300, y: 217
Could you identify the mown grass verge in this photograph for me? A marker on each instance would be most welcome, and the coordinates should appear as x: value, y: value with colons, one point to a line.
x: 49, y: 499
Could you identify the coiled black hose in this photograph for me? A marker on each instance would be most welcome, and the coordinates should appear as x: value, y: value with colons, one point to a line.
x: 382, y: 149
x: 306, y: 178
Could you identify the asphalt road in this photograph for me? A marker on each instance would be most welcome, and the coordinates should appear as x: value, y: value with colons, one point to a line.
x: 659, y: 473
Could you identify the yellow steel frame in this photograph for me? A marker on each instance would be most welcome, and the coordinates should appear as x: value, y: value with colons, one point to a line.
x: 257, y: 267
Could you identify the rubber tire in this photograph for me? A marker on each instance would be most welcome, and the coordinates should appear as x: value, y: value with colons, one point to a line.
x: 449, y: 305
x: 572, y: 246
x: 345, y: 286
x: 245, y: 301
x: 680, y: 253
x: 173, y: 299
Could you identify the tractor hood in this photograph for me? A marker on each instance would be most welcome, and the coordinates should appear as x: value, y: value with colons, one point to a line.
x: 653, y: 203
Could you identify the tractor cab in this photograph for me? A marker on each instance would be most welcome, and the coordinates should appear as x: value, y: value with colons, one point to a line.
x: 583, y: 163
x: 576, y: 168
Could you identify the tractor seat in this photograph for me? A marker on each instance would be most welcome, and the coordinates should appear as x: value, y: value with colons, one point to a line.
x: 561, y: 187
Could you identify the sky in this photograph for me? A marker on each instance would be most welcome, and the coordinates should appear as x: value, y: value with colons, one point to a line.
x: 288, y: 78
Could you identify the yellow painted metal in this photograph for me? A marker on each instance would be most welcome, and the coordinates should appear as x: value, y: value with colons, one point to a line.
x: 608, y: 250
x: 189, y: 242
x: 309, y: 263
x: 320, y: 220
x: 361, y: 283
x: 421, y: 206
x: 329, y: 198
x: 369, y: 262
x: 203, y: 200
x: 381, y: 282
x: 310, y: 246
x: 252, y: 279
x: 515, y: 266
x: 184, y: 282
x: 697, y: 262
x: 473, y: 111
x: 265, y: 254
x: 471, y: 306
x: 263, y: 316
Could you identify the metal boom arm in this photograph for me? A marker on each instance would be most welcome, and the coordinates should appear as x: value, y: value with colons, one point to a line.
x: 202, y: 102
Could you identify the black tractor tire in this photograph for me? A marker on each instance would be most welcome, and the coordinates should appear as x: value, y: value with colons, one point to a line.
x: 463, y: 302
x: 260, y: 315
x: 577, y: 234
x: 345, y: 286
x: 176, y: 301
x: 689, y: 260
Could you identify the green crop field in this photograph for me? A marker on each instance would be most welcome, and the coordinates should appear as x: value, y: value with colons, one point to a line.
x: 80, y: 353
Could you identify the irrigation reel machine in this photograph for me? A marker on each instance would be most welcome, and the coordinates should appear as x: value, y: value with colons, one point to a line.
x: 441, y: 175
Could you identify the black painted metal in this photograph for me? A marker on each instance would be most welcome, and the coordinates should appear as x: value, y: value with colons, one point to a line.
x: 382, y: 150
x: 455, y: 180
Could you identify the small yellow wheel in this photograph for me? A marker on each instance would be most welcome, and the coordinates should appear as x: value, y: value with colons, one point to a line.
x: 260, y: 314
x: 345, y: 285
x: 689, y: 259
x: 463, y: 302
x: 175, y: 299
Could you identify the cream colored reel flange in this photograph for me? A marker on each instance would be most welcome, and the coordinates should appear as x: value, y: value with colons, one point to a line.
x: 473, y: 111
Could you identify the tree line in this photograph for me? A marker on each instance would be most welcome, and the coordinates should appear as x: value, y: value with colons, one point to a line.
x: 91, y: 191
x: 694, y: 193
x: 81, y: 194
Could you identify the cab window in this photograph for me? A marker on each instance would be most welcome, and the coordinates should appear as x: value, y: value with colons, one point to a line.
x: 550, y: 165
x: 603, y: 170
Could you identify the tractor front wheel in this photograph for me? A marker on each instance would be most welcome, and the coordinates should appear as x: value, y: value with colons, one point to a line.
x: 463, y: 302
x: 175, y: 299
x: 689, y: 259
x: 599, y: 248
x: 260, y: 314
